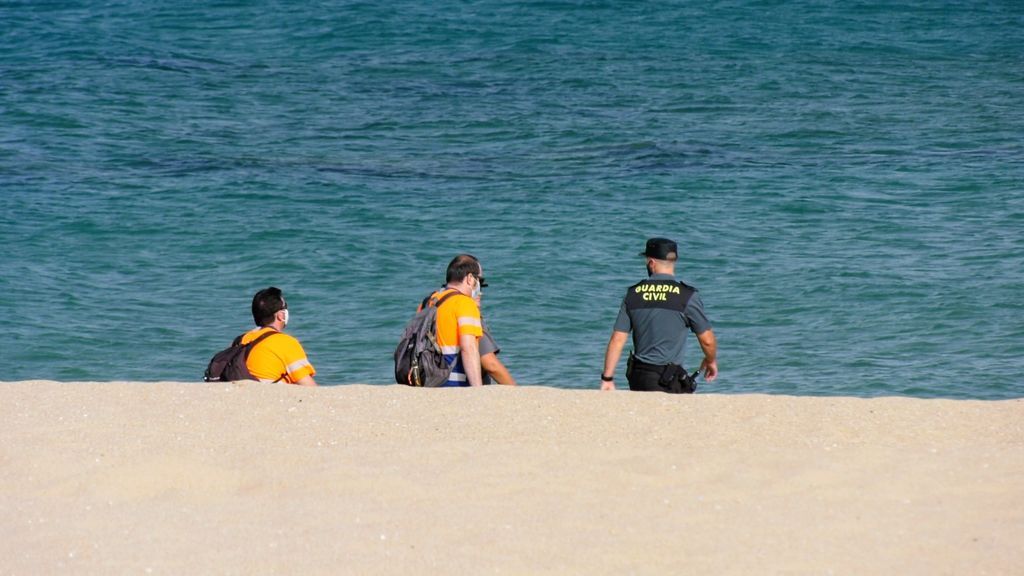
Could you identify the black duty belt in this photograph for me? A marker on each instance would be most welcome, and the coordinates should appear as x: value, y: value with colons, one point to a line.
x: 673, y: 377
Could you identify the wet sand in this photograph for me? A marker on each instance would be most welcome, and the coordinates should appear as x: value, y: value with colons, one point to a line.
x: 247, y: 478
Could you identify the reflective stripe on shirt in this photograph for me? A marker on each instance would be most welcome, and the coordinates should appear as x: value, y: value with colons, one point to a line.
x: 468, y: 321
x: 294, y: 366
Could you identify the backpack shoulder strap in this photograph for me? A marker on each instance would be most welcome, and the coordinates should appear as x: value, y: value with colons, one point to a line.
x: 259, y: 339
x: 445, y: 297
x: 262, y: 337
x: 426, y: 301
x: 255, y: 341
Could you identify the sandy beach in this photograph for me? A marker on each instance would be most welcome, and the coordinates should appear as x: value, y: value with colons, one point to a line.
x: 248, y: 478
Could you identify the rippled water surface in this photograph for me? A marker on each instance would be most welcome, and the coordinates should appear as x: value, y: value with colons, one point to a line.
x: 845, y: 179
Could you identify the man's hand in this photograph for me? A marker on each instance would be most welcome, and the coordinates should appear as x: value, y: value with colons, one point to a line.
x: 710, y: 347
x: 607, y: 385
x: 710, y: 369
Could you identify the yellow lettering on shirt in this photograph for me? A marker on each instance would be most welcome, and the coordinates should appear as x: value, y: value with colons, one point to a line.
x: 648, y: 288
x: 655, y: 297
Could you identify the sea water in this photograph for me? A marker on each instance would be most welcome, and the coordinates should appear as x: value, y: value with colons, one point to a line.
x: 845, y: 181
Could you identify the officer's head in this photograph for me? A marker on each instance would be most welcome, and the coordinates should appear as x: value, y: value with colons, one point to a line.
x: 268, y: 306
x: 661, y: 249
x: 661, y: 255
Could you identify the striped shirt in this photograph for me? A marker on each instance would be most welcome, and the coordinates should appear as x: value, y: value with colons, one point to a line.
x: 277, y: 358
x: 459, y: 315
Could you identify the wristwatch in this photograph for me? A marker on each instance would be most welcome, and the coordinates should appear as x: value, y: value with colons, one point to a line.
x: 607, y: 378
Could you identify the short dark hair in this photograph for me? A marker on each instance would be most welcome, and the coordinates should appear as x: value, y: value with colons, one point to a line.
x: 265, y: 304
x: 461, y: 266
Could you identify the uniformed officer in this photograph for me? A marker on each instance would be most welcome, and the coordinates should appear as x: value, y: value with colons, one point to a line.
x: 659, y: 311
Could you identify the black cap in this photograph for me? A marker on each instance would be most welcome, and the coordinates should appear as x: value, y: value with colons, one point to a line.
x: 661, y: 249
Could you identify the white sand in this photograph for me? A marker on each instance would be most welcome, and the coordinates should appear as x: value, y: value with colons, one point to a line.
x: 246, y: 478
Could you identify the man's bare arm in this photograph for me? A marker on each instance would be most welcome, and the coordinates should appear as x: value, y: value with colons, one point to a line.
x: 493, y: 366
x: 471, y: 359
x: 612, y: 355
x: 710, y: 347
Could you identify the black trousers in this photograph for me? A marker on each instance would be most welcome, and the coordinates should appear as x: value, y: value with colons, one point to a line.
x: 651, y: 378
x: 645, y: 381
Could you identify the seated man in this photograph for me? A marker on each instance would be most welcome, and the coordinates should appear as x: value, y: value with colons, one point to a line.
x: 280, y: 357
x: 458, y: 321
x: 490, y: 364
x: 493, y: 368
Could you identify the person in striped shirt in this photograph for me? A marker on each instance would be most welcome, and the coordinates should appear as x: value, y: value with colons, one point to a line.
x: 459, y: 326
x: 279, y: 357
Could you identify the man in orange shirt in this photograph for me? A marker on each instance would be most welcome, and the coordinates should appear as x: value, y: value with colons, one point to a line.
x: 459, y: 327
x: 279, y: 357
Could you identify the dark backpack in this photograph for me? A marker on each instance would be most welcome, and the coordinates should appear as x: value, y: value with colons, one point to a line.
x: 228, y: 365
x: 418, y: 357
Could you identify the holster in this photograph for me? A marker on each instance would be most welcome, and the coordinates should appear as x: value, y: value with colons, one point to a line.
x: 677, y: 380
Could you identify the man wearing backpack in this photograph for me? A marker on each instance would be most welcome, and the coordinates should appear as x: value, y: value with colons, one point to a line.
x: 279, y: 357
x: 459, y: 327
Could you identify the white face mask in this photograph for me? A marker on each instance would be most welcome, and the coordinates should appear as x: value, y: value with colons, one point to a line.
x: 285, y: 316
x: 475, y: 292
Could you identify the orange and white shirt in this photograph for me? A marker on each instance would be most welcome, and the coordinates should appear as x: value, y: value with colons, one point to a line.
x: 278, y: 357
x: 457, y: 316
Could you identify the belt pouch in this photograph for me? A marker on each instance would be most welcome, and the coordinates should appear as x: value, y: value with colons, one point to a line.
x: 670, y: 377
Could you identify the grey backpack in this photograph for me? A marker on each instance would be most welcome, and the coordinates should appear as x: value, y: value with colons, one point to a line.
x: 418, y: 357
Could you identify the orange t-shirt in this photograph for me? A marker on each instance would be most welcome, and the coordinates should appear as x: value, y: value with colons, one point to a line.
x: 277, y: 357
x: 457, y: 316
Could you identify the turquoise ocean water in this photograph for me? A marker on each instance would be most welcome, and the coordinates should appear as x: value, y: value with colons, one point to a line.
x: 845, y: 179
